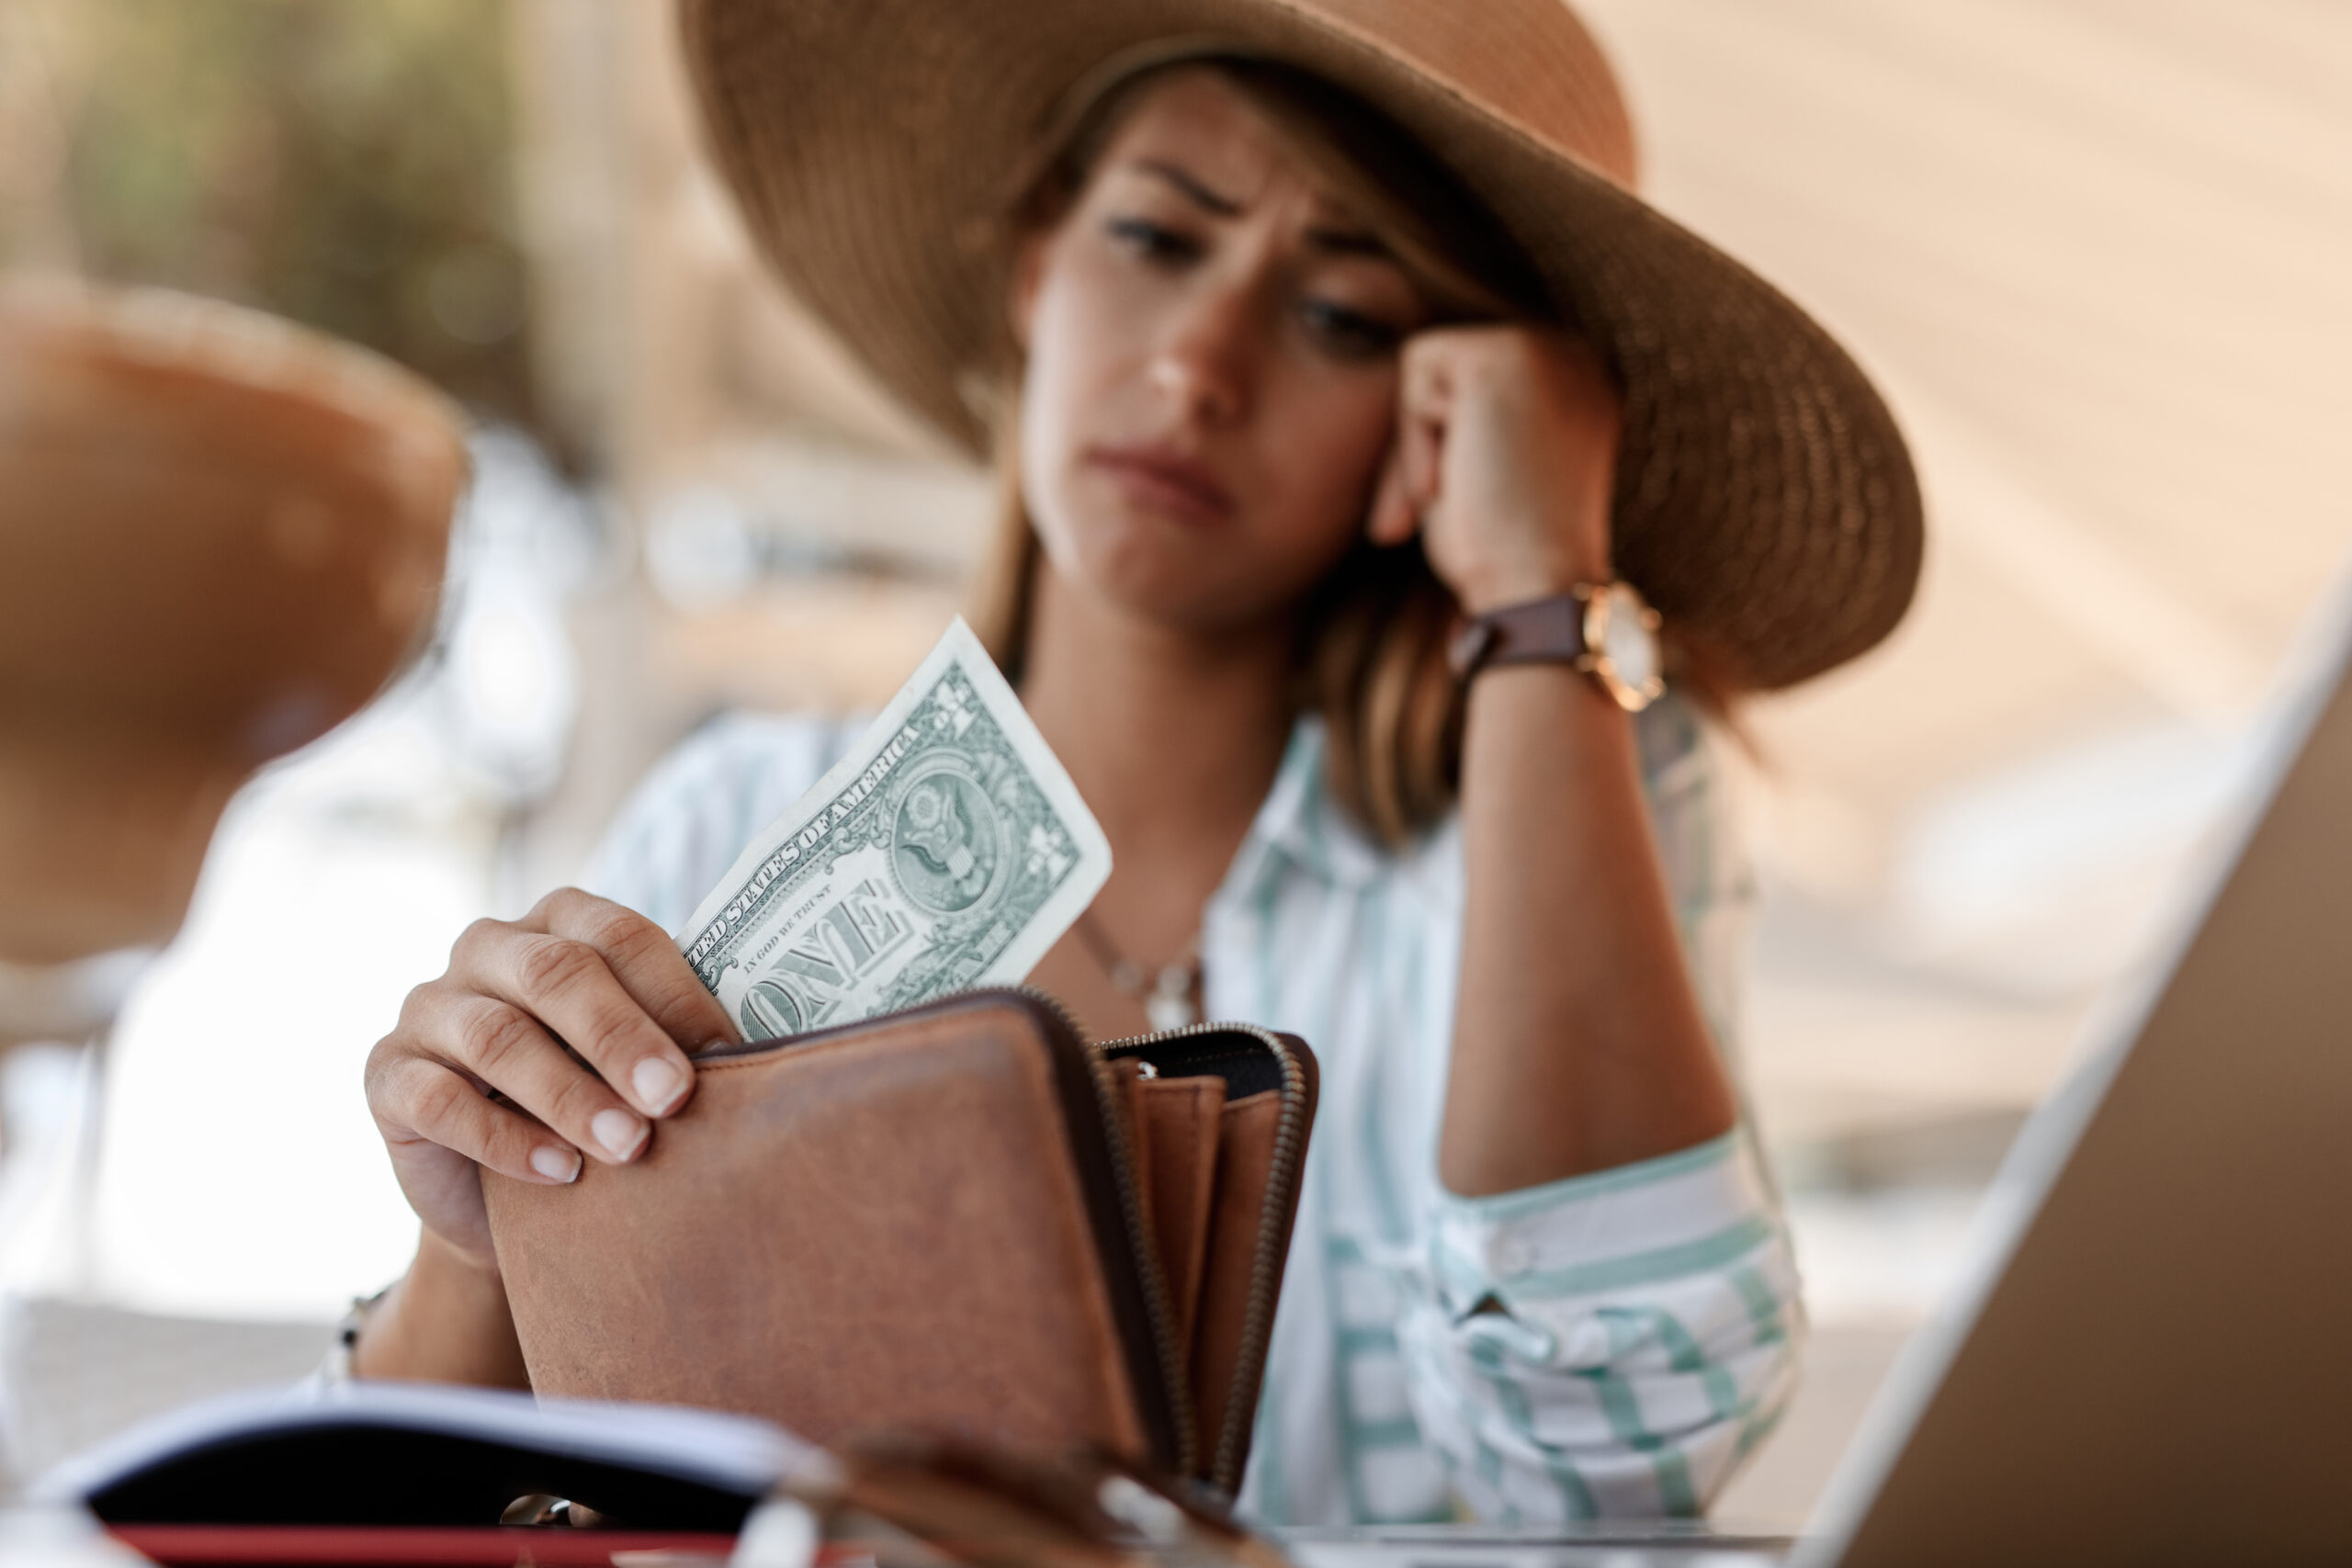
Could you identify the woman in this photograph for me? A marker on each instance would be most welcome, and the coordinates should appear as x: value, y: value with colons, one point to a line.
x: 1317, y: 347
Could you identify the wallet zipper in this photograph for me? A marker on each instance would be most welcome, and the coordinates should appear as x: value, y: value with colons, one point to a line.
x: 1257, y: 1323
x: 1125, y: 1175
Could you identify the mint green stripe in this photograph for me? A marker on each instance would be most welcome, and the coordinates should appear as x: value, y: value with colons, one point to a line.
x: 1367, y: 1341
x: 1336, y: 1248
x: 1625, y: 1325
x: 1266, y: 1442
x: 1576, y: 1188
x: 1681, y: 1348
x: 1723, y: 1392
x: 1763, y: 1307
x: 1490, y: 1470
x: 1516, y: 1415
x: 1703, y: 1255
x: 1397, y: 1432
x: 1669, y: 1467
x: 1755, y: 1431
x: 1487, y: 1463
x: 1624, y: 1412
x: 1266, y: 1456
x: 1685, y: 1356
x: 1575, y: 1497
x: 1310, y: 818
x: 1674, y: 1493
x: 1373, y: 921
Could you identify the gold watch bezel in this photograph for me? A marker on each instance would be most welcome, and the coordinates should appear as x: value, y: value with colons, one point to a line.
x: 1597, y: 599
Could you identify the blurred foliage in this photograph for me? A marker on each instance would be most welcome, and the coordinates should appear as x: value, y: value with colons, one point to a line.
x: 347, y: 163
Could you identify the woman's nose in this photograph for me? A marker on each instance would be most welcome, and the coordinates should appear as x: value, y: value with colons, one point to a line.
x: 1203, y: 364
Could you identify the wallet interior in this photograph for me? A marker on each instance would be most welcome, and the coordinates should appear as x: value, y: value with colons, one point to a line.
x: 1221, y: 1115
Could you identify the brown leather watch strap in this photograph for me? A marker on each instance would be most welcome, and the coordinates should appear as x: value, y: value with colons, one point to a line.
x: 1540, y: 631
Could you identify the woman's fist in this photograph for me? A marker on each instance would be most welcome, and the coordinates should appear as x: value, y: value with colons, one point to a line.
x: 1504, y: 456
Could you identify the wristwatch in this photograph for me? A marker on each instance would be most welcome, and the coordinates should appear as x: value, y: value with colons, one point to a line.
x: 1605, y: 629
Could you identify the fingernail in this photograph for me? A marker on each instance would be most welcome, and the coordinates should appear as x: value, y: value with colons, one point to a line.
x: 555, y: 1163
x: 619, y: 1132
x: 658, y: 1083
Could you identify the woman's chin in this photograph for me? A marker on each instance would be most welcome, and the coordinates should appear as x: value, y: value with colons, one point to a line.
x: 1179, y: 577
x: 1194, y: 602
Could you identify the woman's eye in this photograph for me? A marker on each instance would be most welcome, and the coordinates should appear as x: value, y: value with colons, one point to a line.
x: 1152, y: 241
x: 1349, y: 333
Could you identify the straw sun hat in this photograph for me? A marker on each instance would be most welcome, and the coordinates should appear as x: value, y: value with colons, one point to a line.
x: 1764, y: 501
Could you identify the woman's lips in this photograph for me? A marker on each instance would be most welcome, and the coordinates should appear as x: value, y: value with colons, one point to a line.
x: 1165, y: 481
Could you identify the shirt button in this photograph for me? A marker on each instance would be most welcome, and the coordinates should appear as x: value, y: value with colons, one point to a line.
x: 1514, y: 1256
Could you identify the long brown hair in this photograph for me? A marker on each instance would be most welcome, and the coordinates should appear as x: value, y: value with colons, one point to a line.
x: 1370, y: 651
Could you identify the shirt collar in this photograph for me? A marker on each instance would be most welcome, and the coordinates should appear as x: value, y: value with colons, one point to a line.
x: 1301, y: 826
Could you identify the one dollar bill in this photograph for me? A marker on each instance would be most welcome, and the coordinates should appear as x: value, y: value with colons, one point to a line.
x: 948, y: 850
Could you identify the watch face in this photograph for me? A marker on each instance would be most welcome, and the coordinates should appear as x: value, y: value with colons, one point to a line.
x: 1630, y: 643
x: 1622, y: 631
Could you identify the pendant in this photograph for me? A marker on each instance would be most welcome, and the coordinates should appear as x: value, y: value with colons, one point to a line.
x: 1170, y: 1005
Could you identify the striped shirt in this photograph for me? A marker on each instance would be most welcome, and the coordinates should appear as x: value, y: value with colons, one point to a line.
x: 1604, y: 1347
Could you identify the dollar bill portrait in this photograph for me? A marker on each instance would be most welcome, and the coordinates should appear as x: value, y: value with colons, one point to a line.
x: 947, y: 838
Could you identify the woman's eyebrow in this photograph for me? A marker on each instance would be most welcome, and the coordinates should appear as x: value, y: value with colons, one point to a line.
x: 1199, y: 194
x: 1324, y: 238
x: 1347, y: 243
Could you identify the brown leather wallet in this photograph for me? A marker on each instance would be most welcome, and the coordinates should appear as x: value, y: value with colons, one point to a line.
x: 959, y: 1220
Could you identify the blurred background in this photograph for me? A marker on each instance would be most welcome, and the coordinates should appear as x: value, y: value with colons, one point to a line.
x: 2097, y: 252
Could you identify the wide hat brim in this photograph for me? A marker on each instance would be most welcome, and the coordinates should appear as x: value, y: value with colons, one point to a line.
x: 1764, y: 501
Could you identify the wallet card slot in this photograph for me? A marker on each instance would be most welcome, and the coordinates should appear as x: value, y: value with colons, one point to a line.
x: 1234, y: 1266
x: 1180, y: 1126
x: 1271, y: 1090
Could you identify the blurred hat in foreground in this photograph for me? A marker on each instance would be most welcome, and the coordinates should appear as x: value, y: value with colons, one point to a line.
x: 220, y: 535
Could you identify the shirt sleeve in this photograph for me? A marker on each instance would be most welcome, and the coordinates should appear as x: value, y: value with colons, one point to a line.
x: 1610, y: 1346
x: 1614, y: 1345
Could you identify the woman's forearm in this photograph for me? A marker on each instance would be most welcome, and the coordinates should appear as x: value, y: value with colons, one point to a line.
x: 446, y: 1320
x: 1579, y: 1041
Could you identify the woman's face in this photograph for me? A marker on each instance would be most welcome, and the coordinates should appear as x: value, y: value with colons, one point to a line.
x: 1211, y: 380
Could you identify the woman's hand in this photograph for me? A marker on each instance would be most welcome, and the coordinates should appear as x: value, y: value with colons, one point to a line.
x: 1504, y: 457
x: 578, y: 971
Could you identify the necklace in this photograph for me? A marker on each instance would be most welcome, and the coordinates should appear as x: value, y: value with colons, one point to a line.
x: 1169, y: 997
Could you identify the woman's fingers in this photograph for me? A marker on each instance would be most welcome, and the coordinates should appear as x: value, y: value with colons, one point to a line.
x: 1393, y: 515
x: 607, y: 982
x: 1421, y: 453
x: 429, y: 1112
x: 506, y: 1048
x: 647, y: 964
x: 565, y: 985
x: 1425, y: 406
